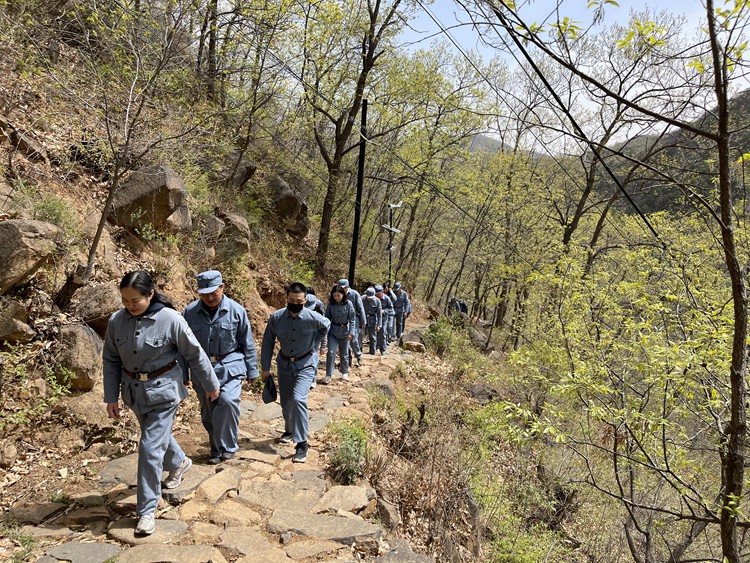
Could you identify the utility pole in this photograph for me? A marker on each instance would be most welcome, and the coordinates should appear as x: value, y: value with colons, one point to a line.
x: 358, y: 201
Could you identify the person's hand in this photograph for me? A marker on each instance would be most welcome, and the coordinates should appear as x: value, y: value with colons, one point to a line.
x: 213, y: 395
x: 349, y: 337
x: 113, y: 410
x: 377, y: 329
x: 265, y: 375
x: 187, y: 384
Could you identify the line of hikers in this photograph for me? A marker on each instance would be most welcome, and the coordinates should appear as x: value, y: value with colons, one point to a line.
x: 153, y: 356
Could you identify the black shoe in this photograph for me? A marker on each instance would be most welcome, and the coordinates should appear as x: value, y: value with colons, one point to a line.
x: 286, y: 438
x: 300, y: 456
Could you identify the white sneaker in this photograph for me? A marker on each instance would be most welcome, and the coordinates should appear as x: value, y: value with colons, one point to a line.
x: 326, y: 379
x: 146, y: 525
x: 345, y: 376
x: 175, y: 476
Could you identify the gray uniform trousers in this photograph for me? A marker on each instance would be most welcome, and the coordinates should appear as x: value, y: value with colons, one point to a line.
x: 342, y: 344
x: 355, y: 346
x: 372, y: 334
x: 295, y: 379
x: 157, y: 451
x: 221, y: 418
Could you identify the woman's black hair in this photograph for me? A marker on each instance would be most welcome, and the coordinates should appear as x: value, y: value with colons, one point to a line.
x: 143, y: 283
x: 337, y: 289
x: 310, y: 290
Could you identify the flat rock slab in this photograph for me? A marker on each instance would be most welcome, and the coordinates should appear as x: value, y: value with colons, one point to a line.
x: 267, y: 412
x: 171, y: 554
x: 234, y: 513
x: 247, y: 407
x: 120, y: 470
x: 307, y: 548
x: 350, y: 499
x: 333, y: 403
x: 318, y: 421
x: 51, y: 532
x: 77, y: 552
x: 278, y: 495
x: 311, y: 480
x: 205, y: 533
x: 190, y: 482
x: 265, y: 457
x: 84, y: 516
x: 334, y: 528
x: 216, y: 486
x: 274, y: 555
x: 247, y: 541
x: 167, y: 531
x: 37, y: 512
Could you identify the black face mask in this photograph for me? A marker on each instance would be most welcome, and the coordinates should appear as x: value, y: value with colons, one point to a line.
x: 294, y: 307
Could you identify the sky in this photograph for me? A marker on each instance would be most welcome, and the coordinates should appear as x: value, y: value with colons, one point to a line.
x: 452, y: 16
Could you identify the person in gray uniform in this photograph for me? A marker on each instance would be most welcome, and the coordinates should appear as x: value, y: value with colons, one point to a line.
x: 299, y: 331
x: 360, y: 321
x: 391, y: 327
x: 340, y: 312
x: 223, y: 329
x: 402, y: 306
x: 312, y: 302
x: 374, y: 314
x: 140, y: 353
x: 388, y: 311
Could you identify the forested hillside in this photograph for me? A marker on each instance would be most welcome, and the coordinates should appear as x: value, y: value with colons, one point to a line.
x: 581, y: 185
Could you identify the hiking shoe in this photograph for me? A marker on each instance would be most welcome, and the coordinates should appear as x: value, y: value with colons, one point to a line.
x: 300, y: 455
x: 359, y: 362
x: 227, y: 456
x: 345, y: 376
x: 286, y: 438
x: 175, y: 476
x: 326, y: 379
x: 214, y: 460
x: 146, y: 525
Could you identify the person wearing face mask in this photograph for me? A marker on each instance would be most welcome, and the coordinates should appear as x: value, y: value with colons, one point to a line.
x: 140, y: 353
x: 299, y: 331
x: 340, y: 312
x: 224, y: 332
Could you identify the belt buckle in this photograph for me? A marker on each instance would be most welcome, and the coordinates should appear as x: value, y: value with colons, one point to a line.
x: 141, y: 376
x: 213, y: 359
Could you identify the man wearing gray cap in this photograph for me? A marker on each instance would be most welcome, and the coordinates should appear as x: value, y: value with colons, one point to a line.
x: 402, y: 307
x: 360, y: 319
x: 223, y: 329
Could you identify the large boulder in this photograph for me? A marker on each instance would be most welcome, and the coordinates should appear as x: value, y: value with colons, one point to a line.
x: 24, y: 246
x: 13, y: 319
x: 289, y: 207
x: 96, y: 303
x: 81, y: 353
x: 241, y: 169
x: 152, y: 196
x: 234, y: 240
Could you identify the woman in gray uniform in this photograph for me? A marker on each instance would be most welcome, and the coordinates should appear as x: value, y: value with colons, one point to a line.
x: 140, y: 362
x: 340, y: 312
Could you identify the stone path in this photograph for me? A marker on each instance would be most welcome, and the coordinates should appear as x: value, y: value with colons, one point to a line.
x: 257, y: 507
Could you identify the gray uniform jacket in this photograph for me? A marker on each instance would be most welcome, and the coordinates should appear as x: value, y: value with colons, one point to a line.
x: 374, y: 312
x: 387, y: 305
x: 146, y: 344
x: 227, y: 335
x: 402, y: 303
x: 341, y: 316
x: 315, y: 304
x: 296, y: 336
x: 359, y: 310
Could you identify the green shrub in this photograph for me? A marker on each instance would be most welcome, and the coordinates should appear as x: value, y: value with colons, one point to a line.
x: 347, y: 460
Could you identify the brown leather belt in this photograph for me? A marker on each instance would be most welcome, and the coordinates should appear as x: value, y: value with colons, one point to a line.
x: 217, y: 359
x: 295, y: 358
x: 145, y: 376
